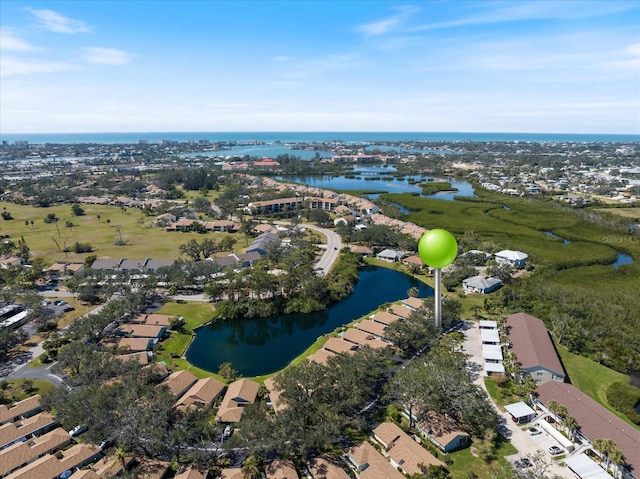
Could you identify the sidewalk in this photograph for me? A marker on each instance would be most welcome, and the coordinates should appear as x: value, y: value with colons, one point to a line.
x: 524, y: 443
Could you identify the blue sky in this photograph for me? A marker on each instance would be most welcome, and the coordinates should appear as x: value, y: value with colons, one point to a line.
x: 460, y: 66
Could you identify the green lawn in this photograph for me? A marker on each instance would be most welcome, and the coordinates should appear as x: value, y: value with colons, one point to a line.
x: 464, y: 462
x: 15, y: 391
x: 592, y: 378
x: 171, y: 351
x: 142, y: 239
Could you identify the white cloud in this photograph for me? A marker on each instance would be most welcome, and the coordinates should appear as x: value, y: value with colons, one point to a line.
x: 55, y: 22
x: 107, y: 56
x: 11, y: 66
x: 388, y: 24
x: 10, y: 41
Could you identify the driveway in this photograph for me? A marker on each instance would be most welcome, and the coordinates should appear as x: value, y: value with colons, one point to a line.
x: 525, y: 444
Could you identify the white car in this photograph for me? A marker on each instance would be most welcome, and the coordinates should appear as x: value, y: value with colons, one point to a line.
x: 534, y: 431
x: 555, y: 450
x: 76, y: 431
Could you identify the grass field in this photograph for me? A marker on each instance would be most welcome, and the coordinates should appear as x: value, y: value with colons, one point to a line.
x: 464, y: 462
x: 142, y: 239
x: 171, y: 351
x: 631, y: 213
x: 592, y: 378
x: 14, y: 389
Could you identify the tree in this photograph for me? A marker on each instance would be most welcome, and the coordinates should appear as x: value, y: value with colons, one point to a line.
x: 76, y: 210
x: 227, y: 371
x: 227, y: 243
x: 570, y: 423
x: 558, y: 410
x: 191, y: 249
x: 252, y: 467
x: 208, y: 247
x: 607, y: 448
x: 51, y: 218
x: 413, y: 292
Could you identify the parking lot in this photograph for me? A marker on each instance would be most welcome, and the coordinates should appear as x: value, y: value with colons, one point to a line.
x: 544, y: 441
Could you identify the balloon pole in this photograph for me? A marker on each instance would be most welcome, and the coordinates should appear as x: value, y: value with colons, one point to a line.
x: 438, y: 298
x: 437, y: 248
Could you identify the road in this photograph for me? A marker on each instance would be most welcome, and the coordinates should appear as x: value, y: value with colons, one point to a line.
x: 333, y: 246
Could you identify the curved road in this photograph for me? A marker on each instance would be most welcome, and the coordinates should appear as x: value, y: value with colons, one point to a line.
x: 334, y: 244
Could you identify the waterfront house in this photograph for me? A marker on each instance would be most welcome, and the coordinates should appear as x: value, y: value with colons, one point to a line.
x: 201, y: 394
x: 239, y: 394
x: 390, y: 255
x: 371, y: 327
x: 340, y: 346
x: 179, y: 382
x: 361, y: 338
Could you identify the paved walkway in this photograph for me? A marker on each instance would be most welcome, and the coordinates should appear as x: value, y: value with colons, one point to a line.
x: 525, y: 444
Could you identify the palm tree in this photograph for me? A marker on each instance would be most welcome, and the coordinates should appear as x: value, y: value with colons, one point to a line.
x: 413, y: 292
x: 251, y: 467
x: 572, y: 425
x: 607, y: 449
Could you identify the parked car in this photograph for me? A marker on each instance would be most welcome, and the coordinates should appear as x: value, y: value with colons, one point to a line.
x: 105, y: 443
x: 76, y: 431
x: 555, y: 450
x: 227, y: 431
x: 523, y: 463
x: 534, y: 431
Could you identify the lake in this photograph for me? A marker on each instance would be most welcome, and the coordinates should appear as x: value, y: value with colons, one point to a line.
x: 265, y: 345
x: 379, y: 179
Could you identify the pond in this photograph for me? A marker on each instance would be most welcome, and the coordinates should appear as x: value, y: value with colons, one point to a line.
x: 265, y: 345
x: 379, y: 179
x: 622, y: 259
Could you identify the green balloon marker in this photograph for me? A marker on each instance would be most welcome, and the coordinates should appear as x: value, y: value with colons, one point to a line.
x: 437, y: 248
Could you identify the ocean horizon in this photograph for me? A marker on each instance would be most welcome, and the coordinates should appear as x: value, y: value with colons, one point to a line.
x: 312, y: 136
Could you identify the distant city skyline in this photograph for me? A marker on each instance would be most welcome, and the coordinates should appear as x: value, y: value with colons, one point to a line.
x: 459, y: 66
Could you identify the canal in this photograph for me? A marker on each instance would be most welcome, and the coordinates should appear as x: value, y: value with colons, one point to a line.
x: 265, y: 345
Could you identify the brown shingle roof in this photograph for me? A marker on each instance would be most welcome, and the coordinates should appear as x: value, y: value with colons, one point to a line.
x: 321, y: 356
x: 274, y: 394
x: 385, y: 318
x: 281, y: 469
x: 180, y: 381
x: 363, y: 339
x: 400, y: 310
x: 337, y: 345
x: 19, y: 454
x: 440, y: 428
x: 11, y: 431
x: 20, y: 408
x: 376, y: 466
x: 531, y: 343
x: 201, y: 394
x: 240, y: 392
x: 595, y: 421
x: 369, y: 326
x: 413, y: 303
x: 232, y: 473
x: 192, y: 473
x: 326, y: 468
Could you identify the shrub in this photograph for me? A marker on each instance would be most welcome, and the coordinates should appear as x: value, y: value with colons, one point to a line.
x: 624, y: 398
